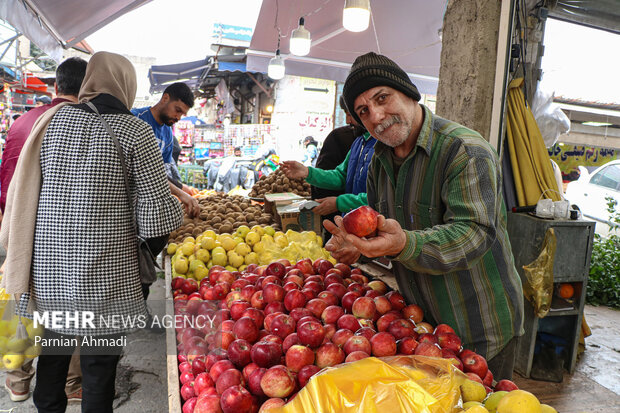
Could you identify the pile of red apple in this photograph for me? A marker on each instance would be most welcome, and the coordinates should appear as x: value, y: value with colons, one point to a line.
x: 278, y: 325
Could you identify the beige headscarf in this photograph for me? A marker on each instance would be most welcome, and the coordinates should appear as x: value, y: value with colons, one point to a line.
x: 106, y: 73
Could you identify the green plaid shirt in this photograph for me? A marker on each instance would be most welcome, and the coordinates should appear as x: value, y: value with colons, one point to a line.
x: 457, y: 263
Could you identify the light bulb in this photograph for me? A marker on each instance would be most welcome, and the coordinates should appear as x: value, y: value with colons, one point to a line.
x: 276, y: 68
x: 300, y: 40
x: 356, y: 15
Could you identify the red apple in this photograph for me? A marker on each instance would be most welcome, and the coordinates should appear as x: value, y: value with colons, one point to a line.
x: 364, y: 307
x: 236, y: 399
x: 349, y: 322
x: 229, y: 378
x: 256, y: 315
x: 201, y: 382
x: 383, y: 323
x: 321, y: 266
x: 428, y: 338
x: 311, y: 333
x: 246, y: 329
x: 357, y: 343
x: 290, y: 286
x: 187, y: 391
x: 294, y: 299
x: 254, y: 382
x: 382, y: 304
x: 249, y: 369
x: 257, y: 300
x: 273, y: 292
x: 474, y: 377
x: 397, y: 300
x: 269, y: 318
x: 309, y: 293
x: 339, y: 290
x: 488, y: 378
x: 406, y: 345
x: 299, y: 356
x: 367, y: 332
x: 276, y: 269
x: 341, y: 336
x: 361, y: 222
x: 186, y: 377
x: 298, y: 313
x: 505, y: 385
x: 449, y: 341
x: 383, y: 344
x: 239, y: 353
x: 316, y: 306
x: 413, y: 312
x: 348, y: 299
x: 329, y: 297
x: 344, y: 269
x: 330, y: 330
x: 427, y: 349
x: 356, y: 288
x: 359, y: 277
x: 443, y: 328
x: 266, y: 353
x: 290, y: 341
x: 277, y: 382
x: 423, y: 327
x: 331, y: 314
x: 237, y: 308
x: 401, y: 328
x: 198, y: 366
x: 333, y: 278
x: 282, y: 325
x: 474, y: 363
x: 271, y: 404
x: 189, y: 286
x: 305, y: 266
x: 378, y: 286
x: 305, y: 373
x: 329, y: 355
x: 274, y: 307
x: 356, y: 355
x: 220, y: 367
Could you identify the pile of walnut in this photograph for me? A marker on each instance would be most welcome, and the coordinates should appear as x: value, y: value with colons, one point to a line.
x: 277, y: 182
x: 223, y: 214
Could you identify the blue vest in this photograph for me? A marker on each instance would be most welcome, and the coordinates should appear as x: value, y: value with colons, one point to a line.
x: 359, y: 160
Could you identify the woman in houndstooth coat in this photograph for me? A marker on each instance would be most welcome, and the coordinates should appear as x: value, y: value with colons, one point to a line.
x: 84, y: 253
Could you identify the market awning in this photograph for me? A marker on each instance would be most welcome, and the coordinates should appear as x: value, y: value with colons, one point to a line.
x: 204, y: 73
x: 407, y: 31
x: 54, y: 24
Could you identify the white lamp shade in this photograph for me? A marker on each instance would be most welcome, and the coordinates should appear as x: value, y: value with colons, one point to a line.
x: 276, y: 68
x: 356, y: 15
x: 300, y: 41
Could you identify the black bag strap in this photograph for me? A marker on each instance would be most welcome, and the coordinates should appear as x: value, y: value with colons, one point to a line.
x: 107, y: 127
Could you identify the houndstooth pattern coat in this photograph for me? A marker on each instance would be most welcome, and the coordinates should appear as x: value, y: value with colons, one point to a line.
x: 85, y: 254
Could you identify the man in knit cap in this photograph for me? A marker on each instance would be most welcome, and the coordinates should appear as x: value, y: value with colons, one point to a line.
x: 437, y: 186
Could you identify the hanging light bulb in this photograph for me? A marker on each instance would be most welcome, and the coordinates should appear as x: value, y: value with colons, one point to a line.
x: 276, y: 68
x: 300, y: 40
x: 356, y: 15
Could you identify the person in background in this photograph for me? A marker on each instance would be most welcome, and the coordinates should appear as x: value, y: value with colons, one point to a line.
x: 311, y: 151
x: 237, y: 151
x: 349, y: 176
x: 41, y: 101
x: 176, y: 100
x: 69, y: 76
x: 80, y: 229
x: 438, y: 188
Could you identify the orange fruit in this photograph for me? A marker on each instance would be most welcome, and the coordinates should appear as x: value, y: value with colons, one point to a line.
x: 566, y: 290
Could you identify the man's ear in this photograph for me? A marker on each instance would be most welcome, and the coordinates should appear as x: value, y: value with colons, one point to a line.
x: 55, y: 89
x: 165, y: 98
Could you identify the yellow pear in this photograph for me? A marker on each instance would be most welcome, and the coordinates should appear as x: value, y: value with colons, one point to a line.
x: 181, y: 265
x: 187, y: 248
x: 13, y: 361
x: 258, y: 229
x: 207, y: 243
x: 243, y: 249
x: 203, y: 255
x: 519, y: 401
x: 269, y: 230
x: 219, y: 259
x: 172, y: 248
x: 251, y: 258
x: 252, y: 238
x: 242, y: 231
x: 493, y: 400
x: 473, y: 391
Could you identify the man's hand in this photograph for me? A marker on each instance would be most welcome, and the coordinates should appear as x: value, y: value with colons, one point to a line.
x: 390, y: 239
x: 340, y: 248
x: 192, y: 208
x: 327, y: 206
x: 187, y: 189
x: 294, y: 170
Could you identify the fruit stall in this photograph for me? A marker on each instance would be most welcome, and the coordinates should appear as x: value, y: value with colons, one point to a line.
x: 290, y: 329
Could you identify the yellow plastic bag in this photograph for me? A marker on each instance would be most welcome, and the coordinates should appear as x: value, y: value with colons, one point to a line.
x: 538, y: 288
x: 390, y: 384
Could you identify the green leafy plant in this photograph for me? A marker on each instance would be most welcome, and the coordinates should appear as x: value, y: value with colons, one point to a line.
x: 604, y: 282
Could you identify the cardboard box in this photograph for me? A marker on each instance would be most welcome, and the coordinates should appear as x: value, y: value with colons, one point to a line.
x: 298, y: 216
x: 272, y: 201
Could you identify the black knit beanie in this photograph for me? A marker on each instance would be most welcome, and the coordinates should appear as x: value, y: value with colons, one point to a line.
x: 371, y: 70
